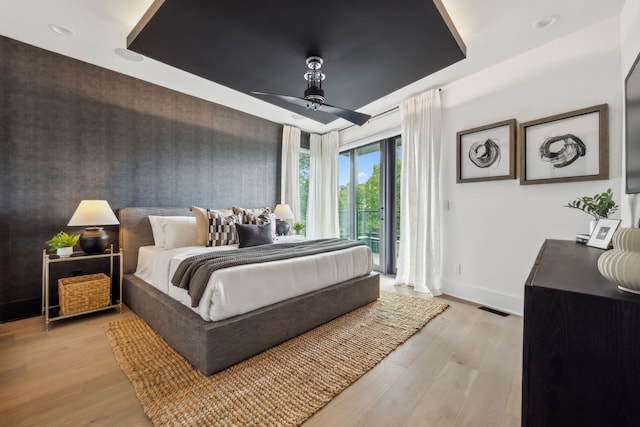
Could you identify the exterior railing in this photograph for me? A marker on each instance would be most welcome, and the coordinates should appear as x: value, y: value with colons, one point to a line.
x: 367, y: 226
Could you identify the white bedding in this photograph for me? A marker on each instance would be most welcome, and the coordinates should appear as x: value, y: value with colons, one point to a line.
x: 237, y: 290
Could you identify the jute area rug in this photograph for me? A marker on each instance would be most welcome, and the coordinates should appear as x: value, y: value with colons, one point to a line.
x: 282, y: 386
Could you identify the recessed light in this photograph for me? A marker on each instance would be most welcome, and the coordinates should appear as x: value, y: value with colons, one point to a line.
x: 545, y: 22
x: 62, y: 30
x: 128, y: 54
x: 296, y: 117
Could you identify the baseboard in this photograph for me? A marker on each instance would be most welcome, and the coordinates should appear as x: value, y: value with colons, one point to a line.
x: 504, y: 302
x: 22, y: 309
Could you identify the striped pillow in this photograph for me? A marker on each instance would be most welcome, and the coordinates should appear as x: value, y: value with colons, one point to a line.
x: 202, y: 222
x: 221, y: 229
x: 253, y: 216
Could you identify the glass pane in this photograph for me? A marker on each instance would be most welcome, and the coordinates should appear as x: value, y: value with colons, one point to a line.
x: 397, y: 207
x: 367, y: 163
x: 304, y: 187
x: 344, y: 194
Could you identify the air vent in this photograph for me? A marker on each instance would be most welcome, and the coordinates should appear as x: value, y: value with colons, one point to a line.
x: 494, y: 311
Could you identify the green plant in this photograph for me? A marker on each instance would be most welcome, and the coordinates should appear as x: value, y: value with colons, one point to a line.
x: 298, y: 226
x: 599, y: 206
x: 62, y: 240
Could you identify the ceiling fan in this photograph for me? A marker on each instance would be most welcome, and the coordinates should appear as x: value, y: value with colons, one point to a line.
x: 314, y: 95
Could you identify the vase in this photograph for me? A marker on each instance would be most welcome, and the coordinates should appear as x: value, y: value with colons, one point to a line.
x: 592, y: 226
x: 64, y: 252
x: 621, y: 264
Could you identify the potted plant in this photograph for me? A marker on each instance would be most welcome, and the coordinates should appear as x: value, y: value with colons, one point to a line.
x: 63, y: 243
x: 297, y: 227
x: 599, y: 206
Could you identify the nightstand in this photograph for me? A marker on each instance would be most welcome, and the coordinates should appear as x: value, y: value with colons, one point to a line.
x: 53, y: 313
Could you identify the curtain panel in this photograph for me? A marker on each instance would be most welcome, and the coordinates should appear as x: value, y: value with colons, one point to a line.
x: 322, y: 211
x: 419, y: 261
x: 290, y: 170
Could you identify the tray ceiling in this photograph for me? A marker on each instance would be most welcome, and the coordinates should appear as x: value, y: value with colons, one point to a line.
x: 369, y: 49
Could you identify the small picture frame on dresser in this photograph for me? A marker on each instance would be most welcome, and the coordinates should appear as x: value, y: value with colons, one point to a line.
x: 603, y: 233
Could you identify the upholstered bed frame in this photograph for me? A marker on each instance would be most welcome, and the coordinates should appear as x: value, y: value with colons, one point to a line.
x: 213, y: 346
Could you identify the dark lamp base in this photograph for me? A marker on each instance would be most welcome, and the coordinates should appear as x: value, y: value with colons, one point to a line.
x: 94, y: 240
x: 282, y: 227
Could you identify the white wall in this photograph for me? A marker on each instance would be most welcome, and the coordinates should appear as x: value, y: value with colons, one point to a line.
x: 630, y: 48
x: 495, y: 229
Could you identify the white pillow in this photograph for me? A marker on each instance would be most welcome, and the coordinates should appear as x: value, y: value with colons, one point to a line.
x: 272, y: 218
x: 156, y: 228
x: 173, y: 231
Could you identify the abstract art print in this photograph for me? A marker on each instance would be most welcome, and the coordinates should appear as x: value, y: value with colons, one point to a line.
x: 567, y: 147
x: 487, y: 153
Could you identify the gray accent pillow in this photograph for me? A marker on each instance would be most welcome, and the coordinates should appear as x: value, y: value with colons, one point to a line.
x: 254, y: 234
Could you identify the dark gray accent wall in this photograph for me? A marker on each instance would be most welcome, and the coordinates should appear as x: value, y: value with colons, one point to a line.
x: 305, y: 140
x: 71, y: 131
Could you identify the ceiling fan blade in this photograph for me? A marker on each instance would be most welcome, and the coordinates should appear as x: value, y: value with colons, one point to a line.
x: 352, y: 116
x: 292, y: 99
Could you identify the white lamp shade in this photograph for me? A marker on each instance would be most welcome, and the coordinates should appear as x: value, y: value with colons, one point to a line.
x: 283, y: 211
x: 93, y: 213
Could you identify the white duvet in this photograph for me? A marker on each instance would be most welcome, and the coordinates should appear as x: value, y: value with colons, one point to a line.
x: 237, y: 290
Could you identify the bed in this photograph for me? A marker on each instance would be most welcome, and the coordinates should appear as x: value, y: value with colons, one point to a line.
x: 211, y: 346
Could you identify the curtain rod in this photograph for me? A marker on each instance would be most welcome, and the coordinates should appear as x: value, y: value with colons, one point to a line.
x: 397, y: 107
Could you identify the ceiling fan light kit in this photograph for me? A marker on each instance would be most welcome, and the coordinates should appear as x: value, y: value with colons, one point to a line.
x: 314, y: 95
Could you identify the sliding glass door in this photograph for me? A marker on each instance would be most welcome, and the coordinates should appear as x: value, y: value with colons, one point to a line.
x: 368, y: 199
x: 344, y: 194
x: 397, y: 142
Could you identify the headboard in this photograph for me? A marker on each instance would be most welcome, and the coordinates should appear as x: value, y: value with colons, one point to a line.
x: 135, y: 231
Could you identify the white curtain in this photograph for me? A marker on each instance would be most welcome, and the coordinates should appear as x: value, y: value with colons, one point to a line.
x: 322, y: 210
x: 419, y: 261
x: 290, y: 170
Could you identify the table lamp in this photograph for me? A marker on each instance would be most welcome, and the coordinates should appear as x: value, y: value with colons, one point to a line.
x: 92, y: 214
x: 283, y: 213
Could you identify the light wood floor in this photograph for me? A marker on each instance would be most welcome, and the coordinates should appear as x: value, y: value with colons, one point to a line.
x: 463, y: 369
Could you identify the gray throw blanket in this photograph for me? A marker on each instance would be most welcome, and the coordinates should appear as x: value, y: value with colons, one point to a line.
x: 194, y: 272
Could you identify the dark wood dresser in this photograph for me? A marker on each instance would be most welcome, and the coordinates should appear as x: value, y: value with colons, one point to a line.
x: 581, y: 356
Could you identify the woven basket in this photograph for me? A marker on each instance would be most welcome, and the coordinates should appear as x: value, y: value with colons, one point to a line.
x: 82, y: 293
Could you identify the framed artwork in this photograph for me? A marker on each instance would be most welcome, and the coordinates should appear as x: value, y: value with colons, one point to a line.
x: 602, y: 234
x: 567, y: 147
x: 487, y: 153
